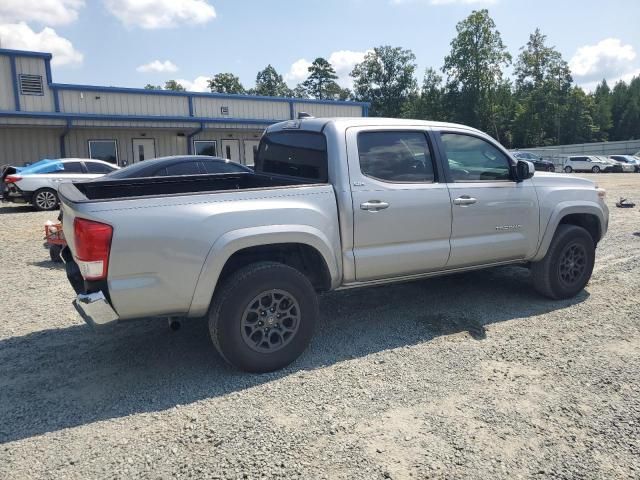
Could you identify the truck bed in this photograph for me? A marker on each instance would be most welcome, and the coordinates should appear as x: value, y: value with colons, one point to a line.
x: 105, y: 190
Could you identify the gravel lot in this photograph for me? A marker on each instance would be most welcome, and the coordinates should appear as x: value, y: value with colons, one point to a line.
x: 468, y: 376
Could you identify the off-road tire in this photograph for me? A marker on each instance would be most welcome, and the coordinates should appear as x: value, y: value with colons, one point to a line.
x: 45, y: 199
x: 546, y: 273
x: 233, y: 298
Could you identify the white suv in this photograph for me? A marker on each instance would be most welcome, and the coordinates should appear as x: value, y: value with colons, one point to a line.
x: 38, y: 183
x: 587, y: 163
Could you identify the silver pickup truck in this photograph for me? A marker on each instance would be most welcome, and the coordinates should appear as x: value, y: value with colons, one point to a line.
x: 332, y: 204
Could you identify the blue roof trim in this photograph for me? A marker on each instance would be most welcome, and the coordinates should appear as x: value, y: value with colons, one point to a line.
x: 14, y: 81
x: 137, y: 118
x: 24, y: 53
x: 98, y: 88
x: 47, y: 67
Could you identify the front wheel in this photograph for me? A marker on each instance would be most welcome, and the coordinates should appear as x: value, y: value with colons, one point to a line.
x: 45, y: 199
x: 596, y: 169
x: 263, y: 317
x: 566, y: 268
x: 568, y: 169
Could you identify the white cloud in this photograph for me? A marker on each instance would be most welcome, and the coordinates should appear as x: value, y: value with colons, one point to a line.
x: 200, y: 84
x: 20, y: 36
x: 446, y: 2
x: 298, y: 72
x: 158, y: 66
x: 343, y: 62
x: 608, y: 59
x: 152, y: 14
x: 49, y: 12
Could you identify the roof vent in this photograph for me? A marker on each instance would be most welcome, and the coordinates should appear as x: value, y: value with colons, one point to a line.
x: 31, y: 84
x: 304, y: 115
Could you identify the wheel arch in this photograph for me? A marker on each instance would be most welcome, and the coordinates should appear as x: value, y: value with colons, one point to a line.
x: 591, y: 217
x: 300, y: 246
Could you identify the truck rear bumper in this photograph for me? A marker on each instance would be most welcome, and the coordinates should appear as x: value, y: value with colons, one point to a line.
x: 95, y: 310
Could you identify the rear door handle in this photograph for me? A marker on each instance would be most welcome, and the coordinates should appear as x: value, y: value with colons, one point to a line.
x: 464, y: 200
x: 374, y: 206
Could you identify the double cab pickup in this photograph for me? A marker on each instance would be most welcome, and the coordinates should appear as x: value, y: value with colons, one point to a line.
x: 333, y: 203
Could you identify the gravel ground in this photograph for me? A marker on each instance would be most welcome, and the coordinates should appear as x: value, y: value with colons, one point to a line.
x: 468, y: 376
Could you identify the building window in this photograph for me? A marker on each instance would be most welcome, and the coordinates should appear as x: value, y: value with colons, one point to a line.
x: 205, y: 147
x: 106, y: 150
x: 30, y: 84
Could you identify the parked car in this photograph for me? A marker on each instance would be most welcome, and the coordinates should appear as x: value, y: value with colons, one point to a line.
x: 178, y: 165
x: 629, y: 162
x: 333, y: 204
x: 38, y: 183
x: 588, y: 163
x: 540, y: 164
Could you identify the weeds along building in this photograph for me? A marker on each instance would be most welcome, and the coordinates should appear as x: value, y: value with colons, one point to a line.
x: 42, y: 119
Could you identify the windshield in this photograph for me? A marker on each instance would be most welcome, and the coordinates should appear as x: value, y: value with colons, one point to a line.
x: 44, y: 166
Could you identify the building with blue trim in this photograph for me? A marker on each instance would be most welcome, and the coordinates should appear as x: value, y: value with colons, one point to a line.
x: 42, y: 119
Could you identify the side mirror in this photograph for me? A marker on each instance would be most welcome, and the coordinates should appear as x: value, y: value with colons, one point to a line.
x: 524, y: 170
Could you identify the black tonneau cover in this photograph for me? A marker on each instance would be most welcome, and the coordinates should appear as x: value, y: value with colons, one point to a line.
x: 96, y: 190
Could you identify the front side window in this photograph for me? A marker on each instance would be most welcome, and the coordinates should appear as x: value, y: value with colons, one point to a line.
x: 294, y: 154
x: 181, y: 168
x: 472, y: 159
x: 395, y: 156
x: 106, y: 150
x: 205, y: 147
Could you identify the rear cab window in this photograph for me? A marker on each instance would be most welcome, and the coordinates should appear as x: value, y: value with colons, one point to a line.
x: 299, y: 154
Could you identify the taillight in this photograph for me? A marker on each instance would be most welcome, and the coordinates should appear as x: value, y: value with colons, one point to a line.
x: 92, y: 243
x: 12, y: 178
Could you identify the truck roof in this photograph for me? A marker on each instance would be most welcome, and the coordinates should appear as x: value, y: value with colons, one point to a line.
x: 318, y: 124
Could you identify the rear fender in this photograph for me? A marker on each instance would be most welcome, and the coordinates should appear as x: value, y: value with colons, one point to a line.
x: 236, y: 240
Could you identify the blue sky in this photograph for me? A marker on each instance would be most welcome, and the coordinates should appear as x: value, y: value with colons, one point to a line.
x: 134, y: 42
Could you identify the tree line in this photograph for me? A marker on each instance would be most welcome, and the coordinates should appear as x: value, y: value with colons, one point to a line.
x: 541, y: 105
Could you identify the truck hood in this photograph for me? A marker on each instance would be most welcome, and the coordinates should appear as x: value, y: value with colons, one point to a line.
x: 550, y: 179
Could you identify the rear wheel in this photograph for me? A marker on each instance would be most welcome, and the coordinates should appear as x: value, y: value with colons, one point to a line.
x: 596, y: 169
x: 566, y: 268
x: 45, y: 199
x: 263, y: 317
x: 568, y: 169
x: 54, y: 253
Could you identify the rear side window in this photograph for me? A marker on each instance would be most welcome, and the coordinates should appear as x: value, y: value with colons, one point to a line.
x: 395, y: 156
x: 72, y: 167
x: 98, y: 167
x: 294, y: 154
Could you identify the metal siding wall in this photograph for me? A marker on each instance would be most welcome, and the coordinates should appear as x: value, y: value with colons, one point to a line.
x: 328, y: 109
x: 35, y: 103
x: 72, y: 101
x: 166, y: 142
x: 6, y: 90
x: 241, y: 108
x: 28, y: 145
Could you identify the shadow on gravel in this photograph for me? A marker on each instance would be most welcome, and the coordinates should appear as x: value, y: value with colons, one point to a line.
x: 16, y: 209
x: 47, y: 264
x: 56, y: 379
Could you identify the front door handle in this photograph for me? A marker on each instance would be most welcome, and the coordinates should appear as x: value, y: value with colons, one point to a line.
x: 464, y: 200
x: 374, y: 206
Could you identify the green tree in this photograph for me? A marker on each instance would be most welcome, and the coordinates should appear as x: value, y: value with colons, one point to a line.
x: 173, y: 85
x: 428, y: 104
x: 543, y: 88
x: 386, y: 79
x: 602, y: 117
x: 148, y: 86
x: 577, y: 122
x: 269, y: 83
x: 474, y: 69
x: 226, y: 83
x: 299, y: 92
x: 321, y: 81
